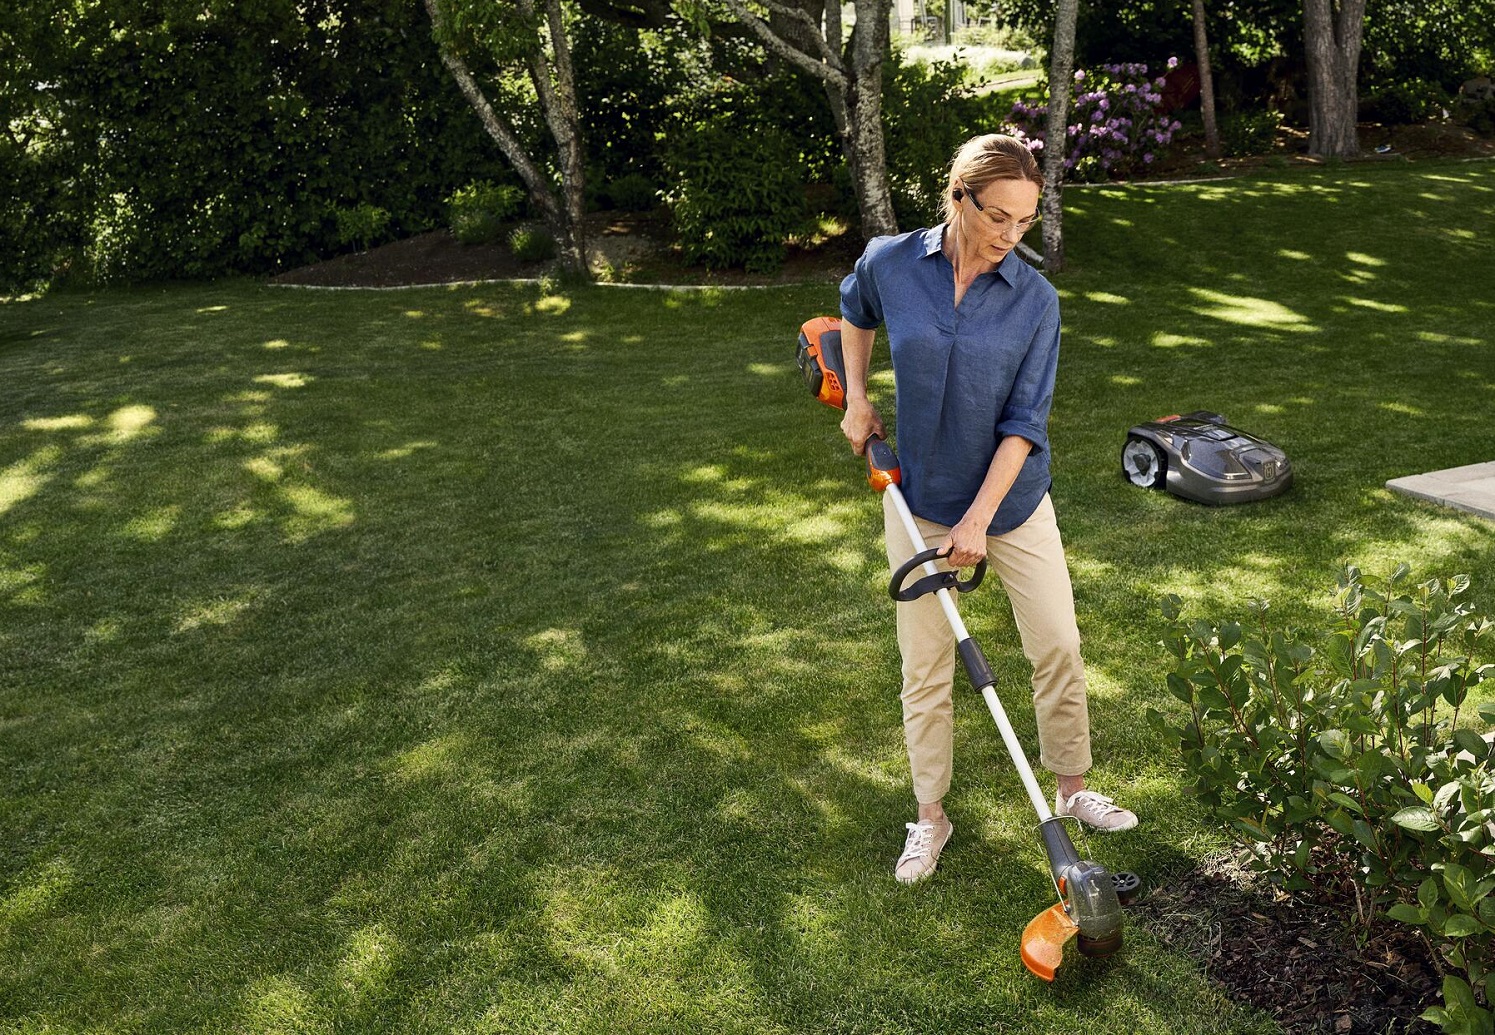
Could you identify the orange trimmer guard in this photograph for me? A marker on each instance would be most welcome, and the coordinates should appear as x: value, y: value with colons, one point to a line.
x: 1044, y: 938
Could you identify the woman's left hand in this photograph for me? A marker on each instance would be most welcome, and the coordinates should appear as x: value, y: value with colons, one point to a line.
x: 966, y: 543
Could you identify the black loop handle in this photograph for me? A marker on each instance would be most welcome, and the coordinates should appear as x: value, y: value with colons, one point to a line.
x: 932, y: 583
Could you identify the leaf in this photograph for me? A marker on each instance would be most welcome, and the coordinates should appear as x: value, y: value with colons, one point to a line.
x: 1180, y: 688
x: 1461, y: 925
x: 1423, y: 791
x: 1487, y: 711
x: 1341, y: 798
x: 1468, y: 740
x: 1407, y: 914
x: 1459, y: 884
x: 1415, y: 817
x: 1427, y: 893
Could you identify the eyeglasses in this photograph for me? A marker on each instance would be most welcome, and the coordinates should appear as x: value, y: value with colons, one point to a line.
x: 1000, y: 224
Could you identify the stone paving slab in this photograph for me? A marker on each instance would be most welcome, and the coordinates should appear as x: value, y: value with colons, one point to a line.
x: 1470, y: 488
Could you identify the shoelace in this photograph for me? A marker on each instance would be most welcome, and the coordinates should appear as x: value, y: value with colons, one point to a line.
x: 1108, y: 804
x: 920, y: 840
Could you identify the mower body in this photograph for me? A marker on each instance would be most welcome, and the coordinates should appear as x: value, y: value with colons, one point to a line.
x: 1200, y: 457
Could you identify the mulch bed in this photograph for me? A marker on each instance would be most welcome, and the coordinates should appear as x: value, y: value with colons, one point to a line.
x: 1299, y: 962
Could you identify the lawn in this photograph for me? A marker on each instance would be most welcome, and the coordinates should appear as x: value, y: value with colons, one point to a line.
x: 503, y: 659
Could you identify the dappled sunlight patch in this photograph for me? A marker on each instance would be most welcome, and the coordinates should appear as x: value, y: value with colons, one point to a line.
x: 154, y: 525
x: 824, y: 525
x: 1268, y: 409
x: 213, y: 309
x: 574, y: 337
x: 845, y: 559
x: 662, y: 519
x: 441, y: 758
x: 1439, y: 338
x: 1125, y: 380
x: 408, y: 449
x: 277, y: 1005
x: 367, y: 967
x: 33, y: 894
x: 265, y: 469
x: 72, y: 422
x: 1380, y: 307
x: 1250, y: 312
x: 415, y: 314
x: 1106, y: 298
x: 888, y: 773
x: 557, y: 648
x: 316, y: 511
x: 291, y: 379
x: 549, y: 305
x: 1401, y: 408
x: 24, y: 478
x: 248, y: 397
x: 220, y: 612
x: 103, y: 632
x: 774, y: 370
x: 276, y: 343
x: 124, y: 424
x: 1169, y: 340
x: 1364, y: 260
x: 238, y: 517
x: 1292, y: 253
x: 704, y: 474
x: 431, y: 345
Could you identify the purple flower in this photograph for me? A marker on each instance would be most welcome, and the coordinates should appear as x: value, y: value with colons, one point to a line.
x: 1080, y: 75
x: 1147, y: 158
x: 1173, y: 62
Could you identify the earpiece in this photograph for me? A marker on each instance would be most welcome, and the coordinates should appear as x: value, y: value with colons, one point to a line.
x: 957, y: 194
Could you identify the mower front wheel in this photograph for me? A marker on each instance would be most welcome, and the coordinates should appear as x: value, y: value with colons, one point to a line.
x: 1143, y: 463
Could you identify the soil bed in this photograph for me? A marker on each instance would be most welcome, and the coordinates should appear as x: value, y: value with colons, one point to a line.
x: 1297, y: 961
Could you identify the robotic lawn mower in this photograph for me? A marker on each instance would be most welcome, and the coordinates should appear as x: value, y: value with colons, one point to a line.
x: 1200, y: 457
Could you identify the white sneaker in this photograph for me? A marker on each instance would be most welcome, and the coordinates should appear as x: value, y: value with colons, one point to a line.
x: 921, y: 852
x: 1096, y: 811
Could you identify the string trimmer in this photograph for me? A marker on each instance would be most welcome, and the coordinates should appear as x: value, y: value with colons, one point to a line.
x: 1089, y: 906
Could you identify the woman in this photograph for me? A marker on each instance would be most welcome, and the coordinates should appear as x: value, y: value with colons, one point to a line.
x: 974, y: 336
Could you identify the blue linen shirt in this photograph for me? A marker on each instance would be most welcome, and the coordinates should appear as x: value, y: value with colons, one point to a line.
x: 966, y: 376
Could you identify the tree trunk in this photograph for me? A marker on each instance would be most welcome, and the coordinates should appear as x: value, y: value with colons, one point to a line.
x: 1206, y: 83
x: 1332, y: 32
x: 556, y: 88
x: 1056, y: 142
x: 557, y: 94
x: 867, y: 149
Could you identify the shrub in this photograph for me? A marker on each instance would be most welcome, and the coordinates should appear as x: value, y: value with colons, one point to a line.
x: 1405, y: 103
x: 738, y: 186
x: 361, y: 225
x: 477, y: 212
x: 1249, y: 132
x: 927, y: 116
x: 633, y: 193
x: 1340, y: 756
x: 1117, y: 126
x: 532, y: 244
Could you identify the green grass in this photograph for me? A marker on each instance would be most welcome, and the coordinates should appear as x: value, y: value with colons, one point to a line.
x: 491, y: 659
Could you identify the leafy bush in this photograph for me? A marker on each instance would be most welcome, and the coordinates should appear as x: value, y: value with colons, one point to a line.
x: 633, y: 193
x: 1477, y: 115
x: 738, y: 186
x: 1117, y: 126
x: 1341, y: 756
x: 477, y: 212
x: 927, y: 115
x: 532, y: 244
x: 1249, y: 132
x: 361, y: 225
x: 1405, y: 103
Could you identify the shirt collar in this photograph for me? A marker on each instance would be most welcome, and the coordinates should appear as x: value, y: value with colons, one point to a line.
x: 934, y: 243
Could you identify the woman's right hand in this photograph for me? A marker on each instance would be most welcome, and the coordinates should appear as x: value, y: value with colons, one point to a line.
x: 861, y: 422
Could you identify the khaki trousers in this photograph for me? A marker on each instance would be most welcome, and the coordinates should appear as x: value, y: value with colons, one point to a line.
x: 1030, y: 562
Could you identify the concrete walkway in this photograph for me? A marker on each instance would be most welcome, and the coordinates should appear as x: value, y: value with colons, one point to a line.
x: 1469, y: 488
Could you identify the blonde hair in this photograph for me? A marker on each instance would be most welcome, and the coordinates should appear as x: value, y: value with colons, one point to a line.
x: 986, y: 159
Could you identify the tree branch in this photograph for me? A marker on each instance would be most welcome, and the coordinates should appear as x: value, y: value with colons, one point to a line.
x: 828, y: 70
x: 639, y: 14
x: 497, y: 127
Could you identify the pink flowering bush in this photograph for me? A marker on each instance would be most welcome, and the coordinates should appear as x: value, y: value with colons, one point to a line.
x: 1117, y: 126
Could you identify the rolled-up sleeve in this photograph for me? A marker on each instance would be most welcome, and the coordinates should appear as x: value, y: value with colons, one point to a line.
x: 861, y: 304
x: 1026, y: 412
